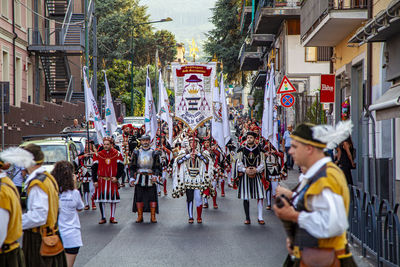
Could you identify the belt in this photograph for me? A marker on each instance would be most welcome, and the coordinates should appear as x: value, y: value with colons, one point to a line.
x: 146, y: 173
x: 341, y: 253
x: 5, y: 248
x: 105, y: 178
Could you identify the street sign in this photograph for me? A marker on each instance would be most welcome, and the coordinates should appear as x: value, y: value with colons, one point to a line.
x: 286, y: 86
x: 287, y: 100
x: 327, y: 88
x: 241, y: 106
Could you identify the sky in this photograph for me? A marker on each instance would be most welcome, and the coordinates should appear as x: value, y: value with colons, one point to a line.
x: 190, y: 19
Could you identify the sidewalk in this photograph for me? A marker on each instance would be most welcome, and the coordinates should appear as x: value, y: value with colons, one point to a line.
x: 290, y: 183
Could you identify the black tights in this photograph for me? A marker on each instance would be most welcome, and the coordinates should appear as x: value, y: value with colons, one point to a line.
x: 246, y: 205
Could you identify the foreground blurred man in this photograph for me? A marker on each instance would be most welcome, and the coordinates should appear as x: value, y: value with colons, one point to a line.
x: 40, y: 220
x: 317, y: 221
x: 10, y: 208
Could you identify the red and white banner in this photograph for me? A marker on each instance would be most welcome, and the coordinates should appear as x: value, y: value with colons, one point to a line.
x: 194, y: 85
x: 327, y: 88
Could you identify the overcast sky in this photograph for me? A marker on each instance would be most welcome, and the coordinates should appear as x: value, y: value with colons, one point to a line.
x: 190, y: 18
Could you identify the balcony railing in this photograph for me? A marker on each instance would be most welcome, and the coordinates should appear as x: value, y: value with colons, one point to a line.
x: 374, y: 225
x: 55, y: 37
x: 314, y: 11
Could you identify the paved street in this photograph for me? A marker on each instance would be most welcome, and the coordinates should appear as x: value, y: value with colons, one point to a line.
x: 222, y: 239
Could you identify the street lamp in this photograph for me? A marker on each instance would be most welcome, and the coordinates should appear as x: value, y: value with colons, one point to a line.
x: 250, y: 101
x: 133, y: 49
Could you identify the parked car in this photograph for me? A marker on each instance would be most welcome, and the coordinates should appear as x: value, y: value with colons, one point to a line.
x: 81, y: 133
x: 54, y: 147
x: 135, y: 121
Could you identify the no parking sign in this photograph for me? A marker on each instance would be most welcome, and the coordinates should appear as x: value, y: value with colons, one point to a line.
x: 287, y: 100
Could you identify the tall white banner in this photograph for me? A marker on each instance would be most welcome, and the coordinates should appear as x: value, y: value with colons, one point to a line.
x: 217, y: 127
x: 225, y: 114
x: 111, y: 120
x: 150, y: 114
x: 194, y: 85
x: 91, y: 110
x: 164, y: 108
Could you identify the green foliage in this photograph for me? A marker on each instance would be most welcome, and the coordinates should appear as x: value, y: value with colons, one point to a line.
x: 119, y: 81
x: 315, y: 114
x: 225, y: 39
x: 118, y: 25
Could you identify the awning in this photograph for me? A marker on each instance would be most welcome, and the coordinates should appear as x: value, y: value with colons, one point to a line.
x: 388, y: 105
x: 382, y: 27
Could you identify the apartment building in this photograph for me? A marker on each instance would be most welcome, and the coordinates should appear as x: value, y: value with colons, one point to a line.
x: 272, y: 31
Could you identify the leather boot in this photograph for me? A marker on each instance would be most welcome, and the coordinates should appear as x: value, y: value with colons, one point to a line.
x: 215, y: 201
x: 165, y: 187
x: 199, y: 210
x: 139, y: 207
x: 223, y: 188
x: 153, y: 206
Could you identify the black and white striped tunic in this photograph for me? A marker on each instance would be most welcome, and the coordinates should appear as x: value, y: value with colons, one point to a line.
x: 250, y: 188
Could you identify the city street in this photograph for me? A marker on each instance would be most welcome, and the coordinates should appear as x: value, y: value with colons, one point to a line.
x: 222, y: 239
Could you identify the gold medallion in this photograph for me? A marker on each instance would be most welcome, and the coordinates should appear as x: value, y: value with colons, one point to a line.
x: 108, y: 161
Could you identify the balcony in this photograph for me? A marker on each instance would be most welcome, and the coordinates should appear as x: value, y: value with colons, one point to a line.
x: 250, y: 57
x: 261, y: 39
x: 271, y: 13
x: 327, y: 22
x: 260, y: 79
x: 245, y: 16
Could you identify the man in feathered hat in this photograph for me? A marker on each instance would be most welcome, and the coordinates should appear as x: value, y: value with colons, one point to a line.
x: 107, y: 168
x: 320, y: 203
x: 191, y: 177
x: 146, y: 169
x: 249, y: 174
x: 41, y: 216
x: 10, y: 208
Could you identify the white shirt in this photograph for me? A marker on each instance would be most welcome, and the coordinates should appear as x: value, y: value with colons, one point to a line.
x: 68, y: 218
x: 4, y: 219
x: 38, y: 204
x: 328, y: 217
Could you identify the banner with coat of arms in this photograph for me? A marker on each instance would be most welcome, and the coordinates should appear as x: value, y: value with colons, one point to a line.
x: 194, y: 85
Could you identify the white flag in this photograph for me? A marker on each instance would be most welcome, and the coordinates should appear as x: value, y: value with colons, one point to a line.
x: 217, y: 128
x: 225, y: 116
x: 164, y: 108
x: 266, y: 114
x: 92, y: 112
x: 111, y: 120
x: 150, y: 115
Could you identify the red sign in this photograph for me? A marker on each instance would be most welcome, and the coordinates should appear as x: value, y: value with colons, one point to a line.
x: 286, y: 86
x: 287, y: 100
x: 327, y: 88
x: 193, y: 69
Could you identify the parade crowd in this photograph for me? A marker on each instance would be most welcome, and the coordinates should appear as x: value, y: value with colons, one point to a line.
x: 314, y: 213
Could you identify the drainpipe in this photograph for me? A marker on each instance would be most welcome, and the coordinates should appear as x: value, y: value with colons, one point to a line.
x: 15, y: 36
x: 368, y: 114
x: 253, y: 8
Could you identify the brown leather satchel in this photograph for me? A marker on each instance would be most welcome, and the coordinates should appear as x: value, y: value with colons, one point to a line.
x: 319, y: 257
x: 51, y: 244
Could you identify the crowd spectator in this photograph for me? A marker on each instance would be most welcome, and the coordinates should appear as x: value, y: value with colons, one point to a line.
x: 70, y: 204
x: 345, y: 160
x: 286, y: 142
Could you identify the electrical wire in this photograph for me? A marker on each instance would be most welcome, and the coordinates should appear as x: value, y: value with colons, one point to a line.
x: 43, y: 17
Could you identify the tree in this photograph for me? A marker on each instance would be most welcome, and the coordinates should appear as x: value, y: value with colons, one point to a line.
x: 225, y: 39
x: 166, y: 44
x: 119, y: 80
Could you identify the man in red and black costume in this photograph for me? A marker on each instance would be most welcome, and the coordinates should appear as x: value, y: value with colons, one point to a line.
x: 128, y: 144
x: 107, y: 168
x: 167, y: 161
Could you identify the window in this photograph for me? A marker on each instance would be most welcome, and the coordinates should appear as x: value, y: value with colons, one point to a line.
x: 4, y: 8
x: 18, y: 81
x: 29, y: 84
x: 17, y: 13
x: 321, y: 53
x: 311, y: 54
x: 5, y: 66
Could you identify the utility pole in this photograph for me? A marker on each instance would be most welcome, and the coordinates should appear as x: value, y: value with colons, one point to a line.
x: 87, y: 36
x: 94, y: 86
